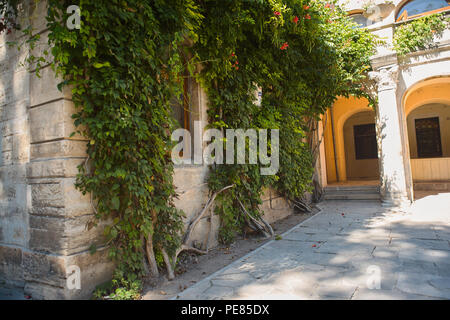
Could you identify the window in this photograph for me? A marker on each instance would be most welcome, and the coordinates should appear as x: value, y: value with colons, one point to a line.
x: 365, y: 141
x: 181, y: 111
x: 416, y: 8
x: 428, y: 136
x: 180, y: 107
x: 360, y: 20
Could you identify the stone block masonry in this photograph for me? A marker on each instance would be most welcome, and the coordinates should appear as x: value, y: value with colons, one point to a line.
x: 43, y: 217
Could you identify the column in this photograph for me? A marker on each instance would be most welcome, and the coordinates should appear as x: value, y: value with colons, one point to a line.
x: 390, y: 140
x: 58, y: 241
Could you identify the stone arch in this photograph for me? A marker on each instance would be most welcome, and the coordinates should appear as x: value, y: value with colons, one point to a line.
x: 426, y: 91
x: 428, y: 99
x: 342, y: 110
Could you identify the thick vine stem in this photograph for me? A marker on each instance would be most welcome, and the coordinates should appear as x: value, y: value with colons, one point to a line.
x: 187, y: 235
x: 300, y: 204
x: 144, y: 262
x: 268, y: 226
x: 202, y: 213
x: 266, y: 229
x: 263, y: 227
x: 169, y: 265
x: 211, y: 214
x: 151, y: 257
x: 189, y: 248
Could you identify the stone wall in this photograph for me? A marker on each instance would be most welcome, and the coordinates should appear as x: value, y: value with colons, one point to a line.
x: 14, y: 150
x: 42, y: 216
x: 193, y: 192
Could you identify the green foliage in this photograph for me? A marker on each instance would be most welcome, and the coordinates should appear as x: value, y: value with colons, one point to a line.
x: 419, y: 34
x: 124, y: 65
x: 120, y: 288
x: 303, y: 55
x: 8, y: 13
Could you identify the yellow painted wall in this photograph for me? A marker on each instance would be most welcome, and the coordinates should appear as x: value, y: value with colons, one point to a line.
x: 342, y: 109
x: 435, y: 90
x: 429, y: 98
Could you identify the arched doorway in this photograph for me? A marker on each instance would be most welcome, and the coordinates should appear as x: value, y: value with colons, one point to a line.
x: 350, y: 143
x: 427, y: 111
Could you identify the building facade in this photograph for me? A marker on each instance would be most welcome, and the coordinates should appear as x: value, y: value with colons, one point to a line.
x: 402, y: 144
x: 43, y: 217
x: 404, y: 141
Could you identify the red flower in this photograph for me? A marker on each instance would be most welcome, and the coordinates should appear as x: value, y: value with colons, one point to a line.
x: 284, y: 46
x: 327, y: 5
x: 307, y: 17
x: 233, y: 54
x: 277, y: 13
x: 295, y: 20
x: 306, y: 7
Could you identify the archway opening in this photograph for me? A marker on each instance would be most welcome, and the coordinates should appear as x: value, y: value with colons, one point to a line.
x: 427, y: 110
x: 350, y: 146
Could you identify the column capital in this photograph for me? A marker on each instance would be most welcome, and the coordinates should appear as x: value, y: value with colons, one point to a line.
x: 385, y: 77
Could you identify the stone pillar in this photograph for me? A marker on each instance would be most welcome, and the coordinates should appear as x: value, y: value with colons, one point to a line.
x: 390, y: 138
x: 14, y: 156
x: 44, y: 241
x: 58, y: 238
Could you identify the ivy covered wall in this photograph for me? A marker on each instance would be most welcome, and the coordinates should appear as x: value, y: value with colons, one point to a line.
x: 121, y: 69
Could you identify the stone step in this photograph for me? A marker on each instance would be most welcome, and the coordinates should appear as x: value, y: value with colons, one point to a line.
x: 352, y: 189
x: 352, y: 196
x: 352, y: 193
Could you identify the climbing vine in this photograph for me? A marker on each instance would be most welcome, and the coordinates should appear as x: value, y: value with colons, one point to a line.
x: 125, y: 64
x: 302, y: 55
x: 8, y: 13
x: 419, y: 34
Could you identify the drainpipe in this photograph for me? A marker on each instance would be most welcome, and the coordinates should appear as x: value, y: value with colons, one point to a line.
x: 334, y: 144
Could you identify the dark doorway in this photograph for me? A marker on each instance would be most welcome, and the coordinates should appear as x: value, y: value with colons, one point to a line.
x: 365, y: 141
x: 428, y: 135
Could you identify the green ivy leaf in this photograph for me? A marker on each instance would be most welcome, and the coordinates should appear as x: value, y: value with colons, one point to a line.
x: 115, y: 203
x: 98, y: 65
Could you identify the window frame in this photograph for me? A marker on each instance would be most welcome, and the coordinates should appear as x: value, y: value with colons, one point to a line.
x: 356, y: 138
x: 420, y: 154
x: 401, y: 18
x: 359, y: 13
x: 184, y: 105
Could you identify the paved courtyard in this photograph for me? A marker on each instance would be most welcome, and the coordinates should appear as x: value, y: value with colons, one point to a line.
x: 350, y: 250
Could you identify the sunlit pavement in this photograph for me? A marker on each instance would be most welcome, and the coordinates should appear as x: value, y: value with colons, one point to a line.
x: 350, y: 250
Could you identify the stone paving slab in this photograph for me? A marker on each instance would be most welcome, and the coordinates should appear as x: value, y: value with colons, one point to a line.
x: 349, y: 250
